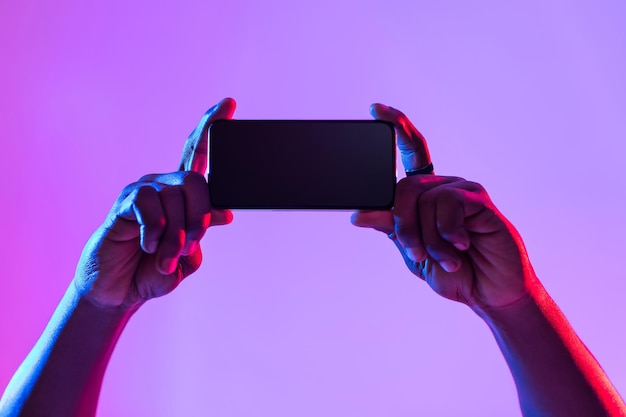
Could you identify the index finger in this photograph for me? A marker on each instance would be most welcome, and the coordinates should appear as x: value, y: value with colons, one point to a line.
x: 196, y: 147
x: 411, y: 143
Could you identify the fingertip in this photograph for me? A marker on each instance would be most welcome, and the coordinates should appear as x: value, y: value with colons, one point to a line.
x: 150, y: 247
x: 377, y: 110
x: 450, y: 265
x: 373, y: 219
x: 221, y: 217
x: 228, y: 101
x: 225, y: 108
x: 415, y: 254
x: 354, y: 218
x: 462, y: 246
x: 167, y: 265
x: 361, y: 218
x: 458, y: 238
x: 372, y: 110
x: 190, y: 247
x: 228, y: 217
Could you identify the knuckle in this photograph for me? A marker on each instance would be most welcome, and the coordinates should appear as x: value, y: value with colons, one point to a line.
x: 159, y: 222
x: 155, y: 226
x: 445, y: 195
x: 474, y: 186
x: 144, y: 192
x: 148, y: 178
x: 455, y: 179
x: 169, y: 179
x: 406, y: 186
x: 429, y: 197
x: 458, y: 191
x: 173, y: 240
x: 145, y: 201
x: 400, y: 115
x: 129, y: 189
x: 156, y: 222
x: 193, y: 179
x: 169, y: 191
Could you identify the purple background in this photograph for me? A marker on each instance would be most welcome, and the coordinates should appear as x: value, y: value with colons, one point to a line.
x: 301, y: 313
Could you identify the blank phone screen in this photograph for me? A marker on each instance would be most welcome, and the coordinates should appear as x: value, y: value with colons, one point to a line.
x: 302, y: 164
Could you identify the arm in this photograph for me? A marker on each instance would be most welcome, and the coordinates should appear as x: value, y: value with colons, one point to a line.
x: 147, y: 245
x: 63, y: 372
x: 452, y: 236
x: 554, y: 372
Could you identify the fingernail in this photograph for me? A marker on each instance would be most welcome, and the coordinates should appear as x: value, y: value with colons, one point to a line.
x: 461, y: 246
x: 449, y: 265
x: 190, y: 247
x: 151, y: 247
x: 414, y: 254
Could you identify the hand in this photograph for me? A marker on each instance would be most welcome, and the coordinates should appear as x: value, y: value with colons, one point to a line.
x: 149, y: 242
x: 448, y: 230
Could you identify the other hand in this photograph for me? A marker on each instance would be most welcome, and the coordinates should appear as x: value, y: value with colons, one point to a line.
x: 149, y: 241
x: 448, y: 230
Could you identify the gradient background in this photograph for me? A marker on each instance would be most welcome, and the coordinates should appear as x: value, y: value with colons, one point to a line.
x: 302, y: 314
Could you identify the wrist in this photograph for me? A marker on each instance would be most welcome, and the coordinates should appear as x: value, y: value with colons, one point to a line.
x: 112, y: 314
x: 531, y: 304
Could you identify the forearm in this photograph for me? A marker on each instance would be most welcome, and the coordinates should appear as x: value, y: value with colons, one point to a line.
x: 63, y: 373
x: 554, y: 372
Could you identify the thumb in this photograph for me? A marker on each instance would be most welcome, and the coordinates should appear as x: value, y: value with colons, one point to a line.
x: 374, y: 219
x: 411, y: 143
x: 195, y: 151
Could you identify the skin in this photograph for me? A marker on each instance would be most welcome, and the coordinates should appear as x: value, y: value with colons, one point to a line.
x: 451, y: 235
x: 150, y: 240
x: 148, y: 243
x: 447, y: 230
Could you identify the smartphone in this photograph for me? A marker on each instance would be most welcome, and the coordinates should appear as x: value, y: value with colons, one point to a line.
x: 302, y: 164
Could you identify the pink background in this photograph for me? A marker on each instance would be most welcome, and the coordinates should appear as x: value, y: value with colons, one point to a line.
x: 300, y: 313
